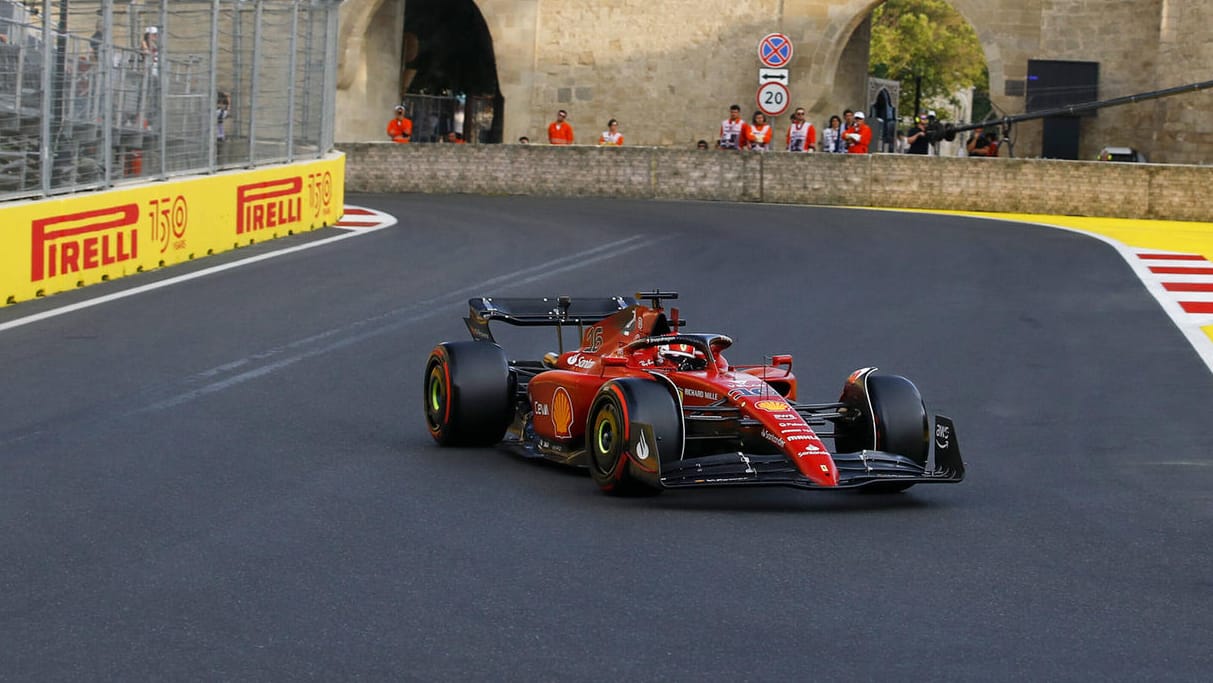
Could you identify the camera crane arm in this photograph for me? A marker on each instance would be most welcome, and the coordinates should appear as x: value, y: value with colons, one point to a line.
x: 948, y: 131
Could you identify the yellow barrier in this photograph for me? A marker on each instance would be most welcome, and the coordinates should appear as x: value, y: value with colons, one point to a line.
x: 53, y: 245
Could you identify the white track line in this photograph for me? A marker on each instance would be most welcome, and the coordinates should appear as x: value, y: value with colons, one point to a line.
x: 159, y: 284
x: 381, y: 324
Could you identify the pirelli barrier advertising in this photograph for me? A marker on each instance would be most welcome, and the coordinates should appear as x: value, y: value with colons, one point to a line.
x: 53, y: 245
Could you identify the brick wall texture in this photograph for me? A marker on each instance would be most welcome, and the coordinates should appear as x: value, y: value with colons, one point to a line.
x: 1076, y: 188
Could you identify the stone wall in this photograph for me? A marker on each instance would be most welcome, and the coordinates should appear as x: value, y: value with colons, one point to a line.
x: 369, y: 77
x: 668, y: 70
x: 1174, y: 192
x: 1185, y: 55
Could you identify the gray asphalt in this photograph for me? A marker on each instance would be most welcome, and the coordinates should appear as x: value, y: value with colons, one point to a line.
x: 230, y: 479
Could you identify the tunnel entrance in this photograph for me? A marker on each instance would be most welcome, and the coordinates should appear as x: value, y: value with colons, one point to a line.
x: 448, y: 78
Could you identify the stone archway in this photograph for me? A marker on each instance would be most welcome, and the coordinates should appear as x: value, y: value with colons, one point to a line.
x: 368, y: 65
x: 372, y: 55
x: 842, y: 42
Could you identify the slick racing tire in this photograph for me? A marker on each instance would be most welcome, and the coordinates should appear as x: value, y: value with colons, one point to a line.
x: 902, y: 426
x: 633, y: 425
x: 468, y: 392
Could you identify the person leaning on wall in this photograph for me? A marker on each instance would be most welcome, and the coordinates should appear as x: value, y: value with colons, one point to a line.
x: 560, y: 131
x: 400, y: 128
x: 611, y: 136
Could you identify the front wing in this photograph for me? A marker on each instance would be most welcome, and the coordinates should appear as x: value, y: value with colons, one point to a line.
x: 854, y: 469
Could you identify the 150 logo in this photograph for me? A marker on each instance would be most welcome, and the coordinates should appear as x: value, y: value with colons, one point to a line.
x: 169, y: 217
x: 320, y: 193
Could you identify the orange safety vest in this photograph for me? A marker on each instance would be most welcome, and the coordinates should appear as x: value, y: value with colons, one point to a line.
x: 609, y: 138
x: 758, y: 138
x: 731, y: 133
x: 802, y: 137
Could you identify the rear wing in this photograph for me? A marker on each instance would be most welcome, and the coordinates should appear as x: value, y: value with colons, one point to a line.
x: 539, y: 312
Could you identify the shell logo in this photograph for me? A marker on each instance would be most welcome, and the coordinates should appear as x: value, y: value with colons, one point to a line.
x: 642, y: 448
x: 562, y: 412
x: 772, y: 406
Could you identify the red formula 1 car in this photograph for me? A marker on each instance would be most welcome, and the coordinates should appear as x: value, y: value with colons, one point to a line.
x: 646, y: 407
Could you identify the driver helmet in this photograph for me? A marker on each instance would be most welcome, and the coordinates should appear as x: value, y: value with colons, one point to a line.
x: 684, y: 356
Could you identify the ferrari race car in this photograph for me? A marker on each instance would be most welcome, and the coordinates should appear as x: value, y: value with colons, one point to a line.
x: 646, y: 406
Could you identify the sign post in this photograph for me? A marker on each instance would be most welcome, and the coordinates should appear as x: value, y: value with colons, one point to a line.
x: 775, y: 52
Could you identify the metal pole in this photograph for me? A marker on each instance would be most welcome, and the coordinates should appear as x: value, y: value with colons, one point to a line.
x: 237, y: 70
x: 105, y: 66
x: 160, y: 73
x: 254, y: 83
x: 61, y: 64
x: 917, y: 95
x: 212, y: 81
x: 290, y: 84
x: 1072, y: 109
x: 48, y: 75
x: 308, y: 48
x: 329, y: 91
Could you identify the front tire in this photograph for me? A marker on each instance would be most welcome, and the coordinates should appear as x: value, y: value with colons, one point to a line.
x: 633, y: 426
x: 467, y: 394
x: 898, y: 424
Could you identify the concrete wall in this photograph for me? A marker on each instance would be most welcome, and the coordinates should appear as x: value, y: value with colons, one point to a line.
x: 1174, y: 192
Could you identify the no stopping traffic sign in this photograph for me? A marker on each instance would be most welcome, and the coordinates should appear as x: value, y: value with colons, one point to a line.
x: 775, y: 50
x: 772, y: 98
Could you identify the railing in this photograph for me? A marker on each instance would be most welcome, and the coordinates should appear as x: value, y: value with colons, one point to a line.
x: 476, y: 118
x: 95, y: 93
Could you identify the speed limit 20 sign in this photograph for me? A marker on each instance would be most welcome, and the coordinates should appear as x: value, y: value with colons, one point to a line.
x: 773, y: 98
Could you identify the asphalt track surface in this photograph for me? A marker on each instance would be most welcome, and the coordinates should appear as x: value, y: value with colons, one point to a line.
x: 230, y: 479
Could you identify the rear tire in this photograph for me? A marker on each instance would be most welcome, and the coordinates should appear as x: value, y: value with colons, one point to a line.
x: 633, y: 426
x: 468, y: 394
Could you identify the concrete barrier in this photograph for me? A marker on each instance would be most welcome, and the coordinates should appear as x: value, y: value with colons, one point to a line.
x: 1043, y: 186
x: 52, y: 245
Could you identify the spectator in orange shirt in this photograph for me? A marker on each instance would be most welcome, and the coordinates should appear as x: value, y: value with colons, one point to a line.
x: 559, y: 131
x: 758, y: 134
x: 400, y: 129
x: 455, y: 138
x: 611, y: 136
x: 858, y: 136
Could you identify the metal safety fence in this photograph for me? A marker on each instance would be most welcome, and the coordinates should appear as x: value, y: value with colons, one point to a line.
x: 95, y: 93
x: 435, y: 117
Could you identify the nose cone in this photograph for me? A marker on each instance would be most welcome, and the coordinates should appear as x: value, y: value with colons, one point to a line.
x: 784, y: 427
